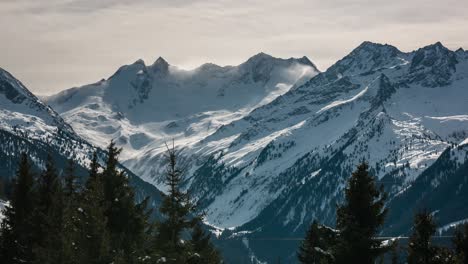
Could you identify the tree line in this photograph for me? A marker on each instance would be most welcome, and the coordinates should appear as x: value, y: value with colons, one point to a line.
x: 358, y: 222
x: 59, y: 220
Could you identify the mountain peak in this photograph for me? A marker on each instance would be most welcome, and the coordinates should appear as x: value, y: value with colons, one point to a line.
x: 160, y: 61
x: 436, y: 46
x: 160, y: 65
x: 262, y: 54
x: 263, y: 58
x: 375, y: 47
x: 139, y: 62
x: 367, y: 43
x: 366, y: 57
x: 431, y: 52
x: 433, y: 65
x: 210, y: 66
x: 305, y: 60
x: 260, y: 57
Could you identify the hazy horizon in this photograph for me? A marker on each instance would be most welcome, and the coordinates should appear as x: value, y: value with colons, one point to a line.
x: 54, y: 45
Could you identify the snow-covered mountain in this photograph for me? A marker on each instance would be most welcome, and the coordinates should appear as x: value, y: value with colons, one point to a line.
x: 400, y: 115
x: 29, y: 125
x: 143, y: 107
x: 22, y: 109
x: 268, y: 146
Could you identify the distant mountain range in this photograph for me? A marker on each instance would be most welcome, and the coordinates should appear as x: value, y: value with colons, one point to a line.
x: 267, y: 145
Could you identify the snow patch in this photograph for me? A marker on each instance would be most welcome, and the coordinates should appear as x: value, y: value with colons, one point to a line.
x: 451, y: 225
x: 344, y: 101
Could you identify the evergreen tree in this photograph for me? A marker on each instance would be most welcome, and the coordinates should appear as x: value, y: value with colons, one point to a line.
x: 48, y: 217
x: 94, y: 241
x: 316, y: 247
x: 203, y: 250
x: 6, y: 187
x: 359, y: 219
x: 176, y: 207
x: 71, y: 217
x: 17, y: 227
x: 93, y: 170
x: 2, y: 189
x: 460, y: 242
x: 127, y: 222
x: 180, y: 217
x: 420, y: 250
x: 70, y: 180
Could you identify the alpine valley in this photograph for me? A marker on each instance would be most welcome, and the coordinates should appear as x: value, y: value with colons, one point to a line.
x: 267, y: 145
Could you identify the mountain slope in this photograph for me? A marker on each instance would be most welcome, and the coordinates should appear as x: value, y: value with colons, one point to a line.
x: 399, y: 117
x: 382, y: 114
x: 28, y: 125
x: 442, y: 188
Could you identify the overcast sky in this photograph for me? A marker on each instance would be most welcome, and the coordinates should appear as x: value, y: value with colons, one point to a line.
x: 51, y: 45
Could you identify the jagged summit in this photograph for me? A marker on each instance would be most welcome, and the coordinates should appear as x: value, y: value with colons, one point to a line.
x: 162, y: 92
x: 369, y: 44
x: 438, y: 47
x: 367, y: 57
x: 376, y: 47
x: 139, y: 62
x: 261, y: 55
x: 305, y: 60
x: 433, y: 65
x: 160, y: 65
x: 259, y: 58
x: 160, y: 60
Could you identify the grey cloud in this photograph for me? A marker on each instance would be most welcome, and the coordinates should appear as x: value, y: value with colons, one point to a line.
x: 86, y: 6
x: 56, y: 44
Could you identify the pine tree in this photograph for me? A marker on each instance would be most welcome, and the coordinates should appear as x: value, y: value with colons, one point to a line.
x: 93, y: 170
x: 180, y: 216
x: 203, y: 251
x: 316, y: 247
x: 460, y: 242
x: 359, y: 219
x: 176, y: 207
x: 71, y: 217
x: 70, y: 180
x: 94, y: 240
x: 17, y: 227
x: 420, y: 250
x: 6, y: 189
x: 48, y: 217
x: 127, y: 222
x: 2, y: 189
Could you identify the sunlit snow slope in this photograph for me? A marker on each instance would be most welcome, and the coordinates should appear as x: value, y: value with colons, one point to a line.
x: 143, y: 107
